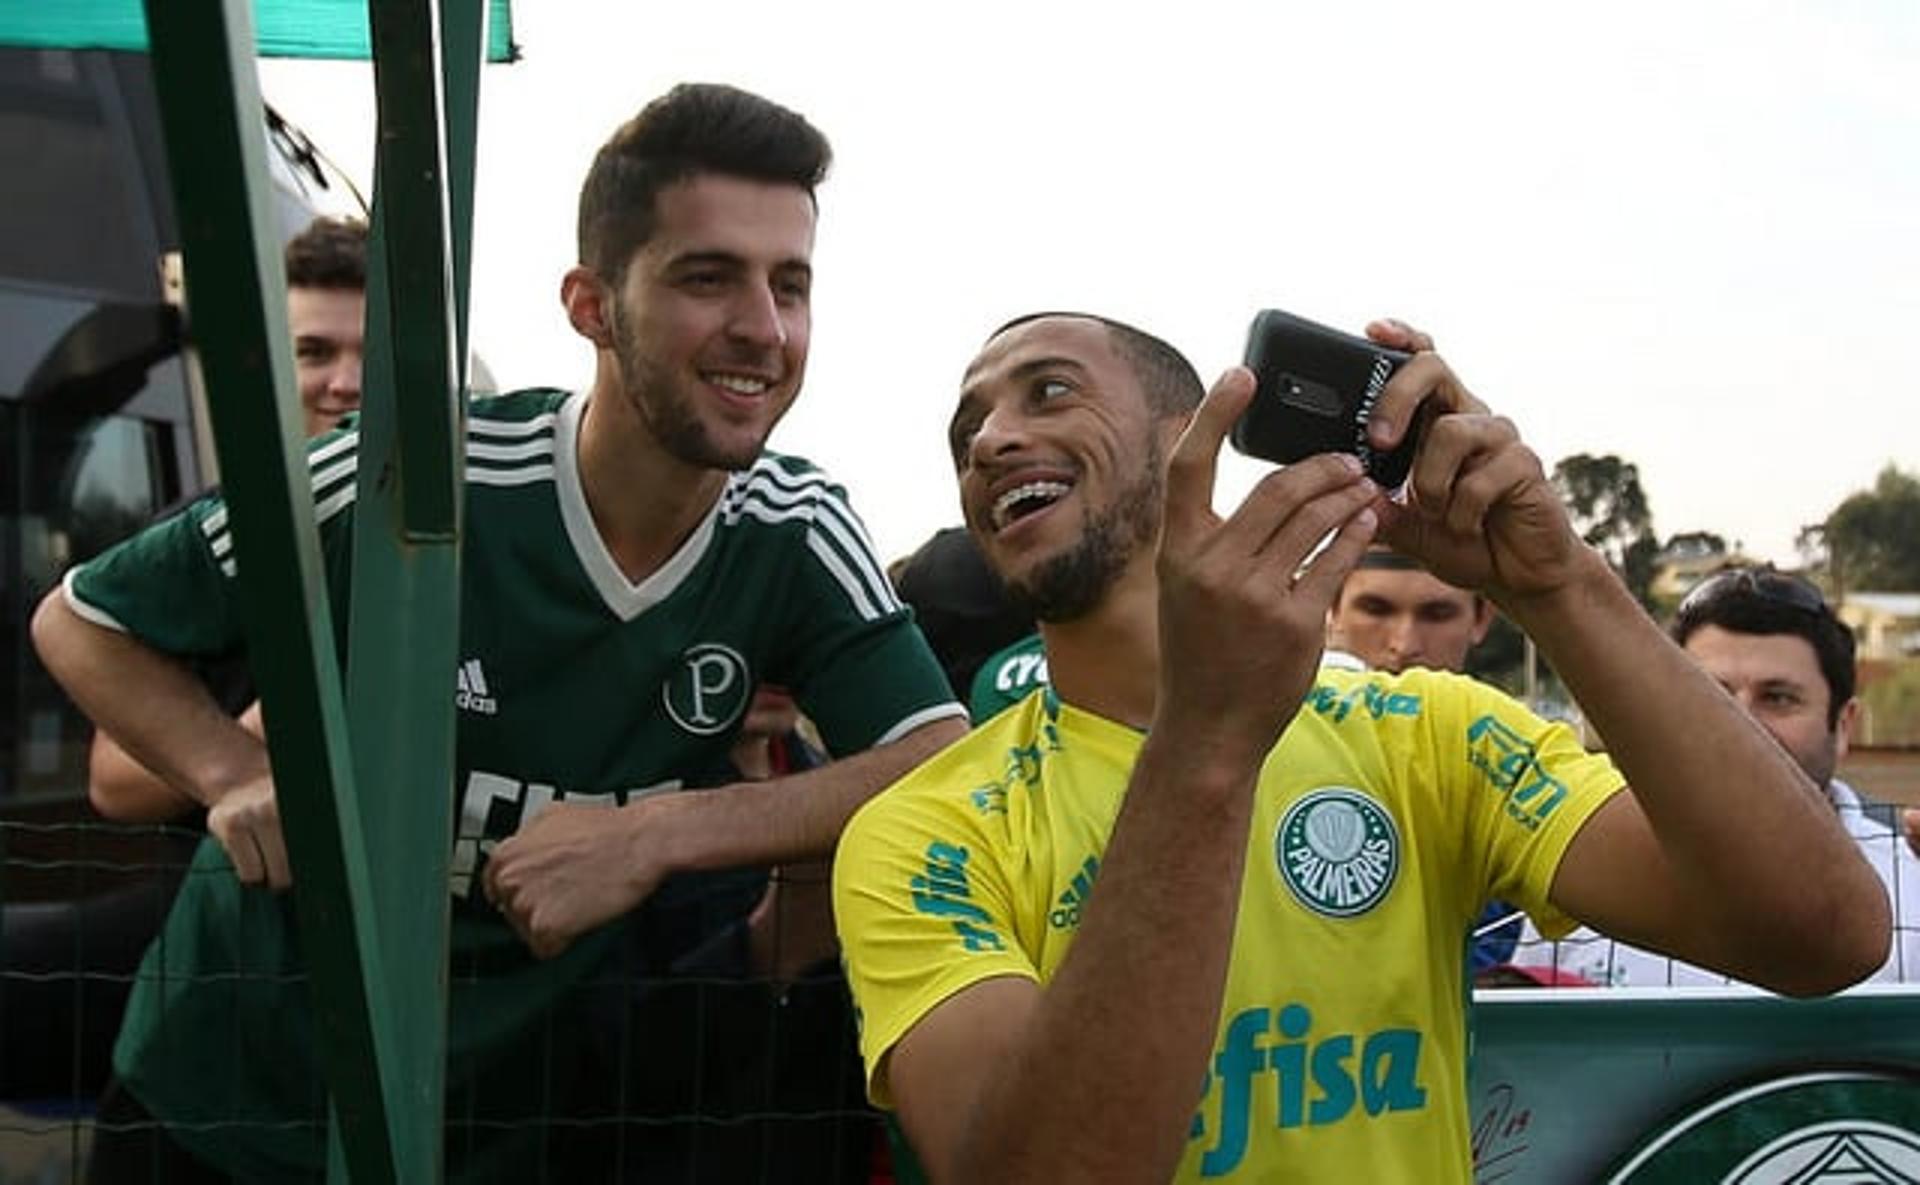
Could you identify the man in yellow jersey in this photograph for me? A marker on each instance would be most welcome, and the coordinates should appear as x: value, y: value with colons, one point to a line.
x: 1118, y: 935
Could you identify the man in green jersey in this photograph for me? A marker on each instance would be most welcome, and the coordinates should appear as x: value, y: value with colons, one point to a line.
x: 634, y: 564
x: 1195, y: 911
x: 326, y: 267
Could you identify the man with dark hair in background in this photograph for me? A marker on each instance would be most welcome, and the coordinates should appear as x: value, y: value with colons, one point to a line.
x: 1195, y: 910
x: 327, y: 314
x: 634, y: 564
x: 1391, y: 614
x: 959, y: 604
x: 1776, y: 646
x: 326, y: 268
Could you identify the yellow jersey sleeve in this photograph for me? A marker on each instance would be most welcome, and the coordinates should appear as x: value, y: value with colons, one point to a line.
x: 1533, y: 785
x: 925, y: 900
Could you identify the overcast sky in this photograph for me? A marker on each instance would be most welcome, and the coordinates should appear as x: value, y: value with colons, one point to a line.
x: 1686, y: 233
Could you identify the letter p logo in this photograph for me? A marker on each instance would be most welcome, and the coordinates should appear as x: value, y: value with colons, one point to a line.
x: 709, y: 691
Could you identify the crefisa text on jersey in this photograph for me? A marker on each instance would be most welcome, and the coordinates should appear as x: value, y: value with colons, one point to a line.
x: 1378, y: 1071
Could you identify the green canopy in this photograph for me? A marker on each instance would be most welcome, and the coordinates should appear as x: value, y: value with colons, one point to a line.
x: 283, y: 28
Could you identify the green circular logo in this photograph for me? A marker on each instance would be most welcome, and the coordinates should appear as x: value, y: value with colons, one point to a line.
x: 1859, y: 1127
x: 1338, y: 851
x: 710, y: 690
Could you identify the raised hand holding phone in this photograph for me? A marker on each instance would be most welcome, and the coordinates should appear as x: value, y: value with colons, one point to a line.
x: 1316, y: 392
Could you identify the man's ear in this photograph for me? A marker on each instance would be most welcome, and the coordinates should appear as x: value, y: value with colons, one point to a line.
x: 585, y: 295
x: 1843, y: 729
x: 1482, y: 618
x: 1170, y: 427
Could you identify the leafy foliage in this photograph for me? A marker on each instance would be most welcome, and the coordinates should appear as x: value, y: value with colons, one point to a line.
x: 1609, y: 509
x: 1872, y: 539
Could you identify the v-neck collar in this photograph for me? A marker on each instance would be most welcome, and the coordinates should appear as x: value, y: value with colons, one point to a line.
x: 625, y: 599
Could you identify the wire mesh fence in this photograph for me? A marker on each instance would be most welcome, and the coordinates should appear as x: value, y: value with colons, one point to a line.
x: 710, y: 1039
x: 1585, y: 958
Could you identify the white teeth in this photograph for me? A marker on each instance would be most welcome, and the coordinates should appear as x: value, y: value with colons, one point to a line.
x: 739, y: 384
x: 1049, y: 491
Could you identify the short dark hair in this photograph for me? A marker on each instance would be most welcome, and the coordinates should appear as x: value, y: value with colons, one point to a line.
x: 1381, y: 557
x: 1764, y: 602
x: 329, y: 253
x: 694, y: 128
x: 1171, y: 384
x: 960, y: 605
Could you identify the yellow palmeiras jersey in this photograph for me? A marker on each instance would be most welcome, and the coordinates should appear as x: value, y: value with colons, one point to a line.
x: 1391, y: 810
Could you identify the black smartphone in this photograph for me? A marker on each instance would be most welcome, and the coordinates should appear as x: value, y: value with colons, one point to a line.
x: 1317, y: 389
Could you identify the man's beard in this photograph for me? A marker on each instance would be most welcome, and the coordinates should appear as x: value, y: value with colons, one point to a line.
x: 665, y: 409
x: 1071, y: 585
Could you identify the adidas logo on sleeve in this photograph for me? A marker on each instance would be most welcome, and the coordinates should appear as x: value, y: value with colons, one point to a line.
x: 1066, y: 913
x: 470, y: 690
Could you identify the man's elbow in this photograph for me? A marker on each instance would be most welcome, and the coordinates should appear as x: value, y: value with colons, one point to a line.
x: 73, y: 649
x: 121, y: 789
x: 52, y: 629
x: 1843, y: 944
x: 123, y: 805
x: 107, y: 799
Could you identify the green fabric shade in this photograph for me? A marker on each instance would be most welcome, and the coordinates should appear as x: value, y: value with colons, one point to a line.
x: 282, y: 28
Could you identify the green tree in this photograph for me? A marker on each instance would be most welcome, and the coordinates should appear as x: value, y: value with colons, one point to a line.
x: 1609, y: 509
x: 1872, y: 539
x: 1811, y: 544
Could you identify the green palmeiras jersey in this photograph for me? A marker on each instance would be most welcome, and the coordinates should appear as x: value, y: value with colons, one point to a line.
x: 574, y: 684
x: 1009, y: 676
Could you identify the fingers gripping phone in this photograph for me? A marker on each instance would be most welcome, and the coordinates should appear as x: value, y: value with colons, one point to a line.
x: 1316, y: 394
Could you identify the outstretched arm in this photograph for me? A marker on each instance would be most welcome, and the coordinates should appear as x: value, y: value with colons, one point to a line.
x: 576, y: 867
x: 1096, y: 1076
x: 1724, y: 854
x: 170, y: 724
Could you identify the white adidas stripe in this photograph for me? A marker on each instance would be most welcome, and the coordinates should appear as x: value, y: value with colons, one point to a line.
x: 523, y: 476
x: 511, y: 429
x: 777, y: 487
x: 336, y: 502
x: 770, y: 495
x: 524, y: 450
x: 838, y: 525
x: 320, y: 474
x: 836, y: 566
x: 344, y: 467
x: 332, y: 449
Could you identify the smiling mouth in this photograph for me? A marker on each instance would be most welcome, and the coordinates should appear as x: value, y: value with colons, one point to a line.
x: 746, y: 385
x: 1025, y: 499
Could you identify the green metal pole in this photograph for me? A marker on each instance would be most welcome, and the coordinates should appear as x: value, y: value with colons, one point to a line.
x: 236, y: 295
x: 463, y: 39
x: 403, y: 644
